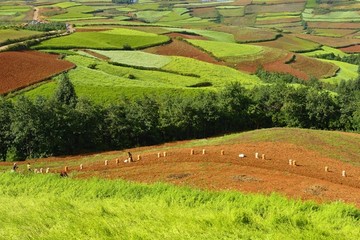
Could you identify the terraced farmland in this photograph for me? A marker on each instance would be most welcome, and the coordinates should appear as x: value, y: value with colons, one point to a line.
x: 119, y: 38
x: 22, y: 69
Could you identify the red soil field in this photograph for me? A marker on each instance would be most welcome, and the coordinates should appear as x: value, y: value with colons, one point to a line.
x: 351, y: 49
x: 313, y: 67
x: 181, y: 48
x: 95, y: 54
x: 207, y: 12
x: 307, y: 180
x: 260, y: 21
x: 333, y: 25
x: 330, y: 41
x: 247, y: 34
x: 22, y: 69
x: 281, y: 67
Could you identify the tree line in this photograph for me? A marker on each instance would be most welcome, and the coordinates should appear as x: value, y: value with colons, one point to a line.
x: 64, y: 124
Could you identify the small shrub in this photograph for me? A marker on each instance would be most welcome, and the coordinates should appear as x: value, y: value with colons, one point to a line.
x: 201, y: 84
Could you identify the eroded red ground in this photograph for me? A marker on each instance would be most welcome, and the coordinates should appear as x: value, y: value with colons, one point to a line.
x: 24, y: 68
x: 307, y: 180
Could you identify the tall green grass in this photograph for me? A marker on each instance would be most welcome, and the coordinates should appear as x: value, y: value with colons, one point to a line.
x: 48, y: 207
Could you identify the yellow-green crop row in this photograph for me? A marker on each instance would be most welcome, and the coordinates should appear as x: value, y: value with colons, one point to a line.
x: 119, y: 38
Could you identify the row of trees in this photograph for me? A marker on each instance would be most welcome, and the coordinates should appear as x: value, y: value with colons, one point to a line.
x: 65, y: 124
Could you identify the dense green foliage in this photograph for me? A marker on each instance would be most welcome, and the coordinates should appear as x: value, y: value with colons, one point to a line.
x: 351, y: 58
x: 48, y: 207
x: 62, y: 126
x: 45, y: 27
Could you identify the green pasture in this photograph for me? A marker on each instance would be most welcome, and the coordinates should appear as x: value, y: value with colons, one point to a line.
x: 311, y: 4
x: 347, y: 72
x: 216, y: 74
x: 118, y: 38
x: 13, y: 13
x: 223, y: 50
x: 148, y: 5
x: 151, y: 16
x: 344, y: 147
x: 325, y: 50
x: 334, y: 16
x: 211, y: 35
x: 136, y: 58
x: 278, y: 14
x: 292, y: 44
x: 76, y: 12
x: 104, y: 82
x: 66, y: 4
x: 231, y: 11
x: 332, y: 32
x: 36, y: 206
x: 13, y: 34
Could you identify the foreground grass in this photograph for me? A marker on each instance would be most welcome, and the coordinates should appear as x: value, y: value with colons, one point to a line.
x: 48, y: 207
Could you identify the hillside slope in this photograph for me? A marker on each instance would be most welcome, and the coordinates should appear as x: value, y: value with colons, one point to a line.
x: 312, y: 150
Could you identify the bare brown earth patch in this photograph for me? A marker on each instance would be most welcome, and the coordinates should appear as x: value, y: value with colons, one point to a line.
x: 308, y: 180
x: 181, y: 48
x: 24, y: 68
x: 351, y: 49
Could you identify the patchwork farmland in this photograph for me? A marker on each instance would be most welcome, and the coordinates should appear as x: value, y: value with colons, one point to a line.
x: 122, y: 82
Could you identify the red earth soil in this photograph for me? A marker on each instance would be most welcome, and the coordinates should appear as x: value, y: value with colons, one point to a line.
x: 329, y: 41
x: 308, y: 180
x: 95, y: 54
x: 333, y: 25
x: 24, y: 68
x: 351, y: 49
x: 181, y: 48
x: 280, y: 66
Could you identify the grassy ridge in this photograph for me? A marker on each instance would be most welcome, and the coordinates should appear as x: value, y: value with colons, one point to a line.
x: 112, y: 39
x: 47, y: 207
x: 344, y: 146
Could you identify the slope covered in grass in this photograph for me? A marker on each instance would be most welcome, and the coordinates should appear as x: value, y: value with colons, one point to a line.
x: 48, y: 207
x: 337, y: 145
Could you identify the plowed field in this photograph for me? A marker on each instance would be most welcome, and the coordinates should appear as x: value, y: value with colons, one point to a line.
x: 181, y: 48
x: 351, y: 49
x: 22, y: 69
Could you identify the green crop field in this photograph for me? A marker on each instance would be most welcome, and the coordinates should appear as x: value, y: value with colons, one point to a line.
x: 111, y: 39
x: 106, y: 83
x: 231, y: 11
x: 347, y: 72
x: 211, y: 35
x: 12, y: 34
x: 151, y: 16
x: 13, y: 13
x: 338, y: 16
x: 325, y: 50
x: 65, y: 4
x: 48, y: 207
x: 222, y: 50
x: 136, y: 58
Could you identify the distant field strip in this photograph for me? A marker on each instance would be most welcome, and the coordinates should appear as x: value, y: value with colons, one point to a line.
x: 339, y: 16
x: 12, y: 34
x: 112, y: 39
x: 347, y: 72
x: 212, y: 35
x: 136, y: 58
x: 223, y: 50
